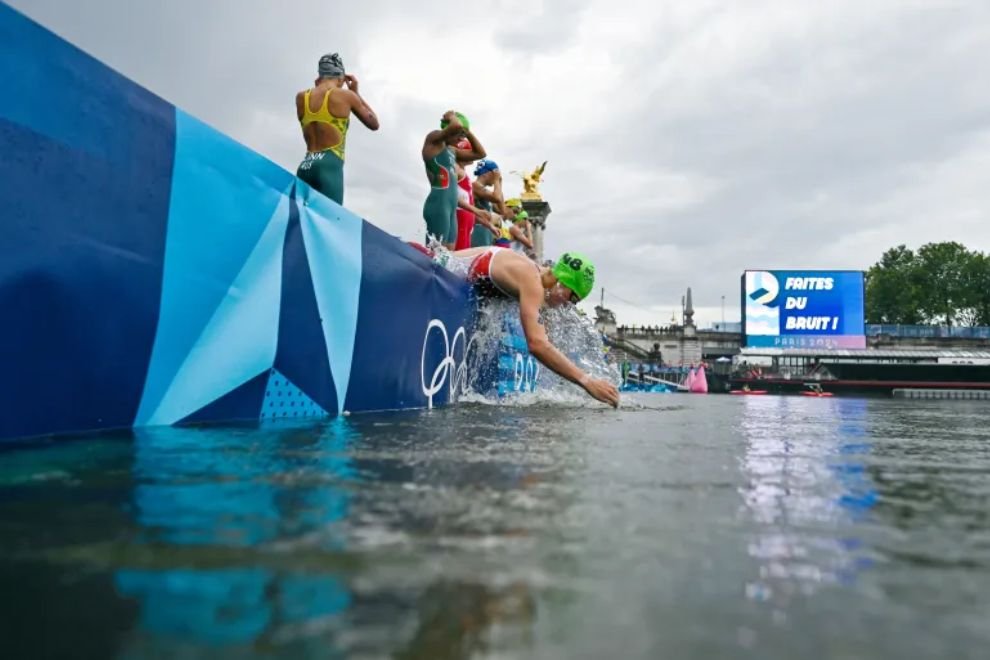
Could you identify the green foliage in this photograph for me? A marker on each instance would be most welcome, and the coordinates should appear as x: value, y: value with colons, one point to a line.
x: 891, y: 288
x: 940, y: 270
x: 941, y: 283
x: 977, y: 285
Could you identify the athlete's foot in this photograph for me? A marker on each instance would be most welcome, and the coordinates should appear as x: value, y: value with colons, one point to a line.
x: 422, y: 248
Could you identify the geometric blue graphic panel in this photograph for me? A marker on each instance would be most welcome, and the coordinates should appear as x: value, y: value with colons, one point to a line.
x: 84, y: 179
x: 408, y: 304
x: 241, y: 403
x: 332, y: 236
x: 284, y: 400
x: 302, y: 348
x: 220, y: 289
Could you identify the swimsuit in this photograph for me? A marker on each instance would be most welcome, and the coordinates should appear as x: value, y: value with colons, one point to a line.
x: 480, y: 274
x: 324, y: 170
x: 465, y: 218
x: 481, y: 236
x: 441, y: 204
x: 504, y: 238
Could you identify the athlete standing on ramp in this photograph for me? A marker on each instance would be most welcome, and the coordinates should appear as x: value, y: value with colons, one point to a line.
x: 487, y: 189
x: 467, y: 212
x: 440, y: 155
x: 324, y: 113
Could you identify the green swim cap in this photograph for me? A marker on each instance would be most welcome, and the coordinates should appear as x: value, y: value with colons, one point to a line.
x: 464, y: 122
x: 522, y: 215
x: 576, y: 272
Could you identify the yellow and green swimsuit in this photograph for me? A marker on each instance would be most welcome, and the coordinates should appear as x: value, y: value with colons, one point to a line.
x: 324, y: 170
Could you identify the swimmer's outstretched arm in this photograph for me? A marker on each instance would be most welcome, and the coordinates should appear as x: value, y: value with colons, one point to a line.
x: 530, y: 300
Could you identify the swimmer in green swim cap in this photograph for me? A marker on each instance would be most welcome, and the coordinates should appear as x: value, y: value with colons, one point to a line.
x: 440, y: 154
x: 576, y: 273
x: 495, y: 271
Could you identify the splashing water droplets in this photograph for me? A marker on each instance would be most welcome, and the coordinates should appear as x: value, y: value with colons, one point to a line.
x: 500, y: 371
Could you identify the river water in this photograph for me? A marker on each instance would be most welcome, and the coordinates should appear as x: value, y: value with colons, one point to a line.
x: 680, y: 526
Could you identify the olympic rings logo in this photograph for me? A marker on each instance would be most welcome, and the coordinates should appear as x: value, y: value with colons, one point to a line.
x: 526, y: 373
x: 449, y: 372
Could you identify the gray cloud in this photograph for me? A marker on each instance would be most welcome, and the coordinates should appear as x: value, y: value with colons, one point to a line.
x: 551, y: 26
x: 687, y: 141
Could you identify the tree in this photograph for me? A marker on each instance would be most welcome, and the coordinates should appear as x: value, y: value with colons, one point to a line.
x: 941, y: 274
x: 976, y: 279
x: 892, y: 288
x: 940, y: 283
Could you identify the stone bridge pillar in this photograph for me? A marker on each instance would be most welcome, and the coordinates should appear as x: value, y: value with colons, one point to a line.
x: 538, y: 211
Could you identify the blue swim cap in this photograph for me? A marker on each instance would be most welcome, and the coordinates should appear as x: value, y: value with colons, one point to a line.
x: 485, y: 166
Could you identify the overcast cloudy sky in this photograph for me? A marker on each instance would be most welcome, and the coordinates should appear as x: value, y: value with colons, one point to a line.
x: 688, y: 140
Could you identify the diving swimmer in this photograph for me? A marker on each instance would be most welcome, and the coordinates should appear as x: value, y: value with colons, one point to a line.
x: 499, y: 272
x: 324, y: 113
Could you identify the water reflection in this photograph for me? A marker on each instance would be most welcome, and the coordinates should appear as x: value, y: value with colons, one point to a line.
x: 351, y: 537
x: 456, y: 619
x: 933, y: 484
x: 807, y: 483
x: 208, y: 497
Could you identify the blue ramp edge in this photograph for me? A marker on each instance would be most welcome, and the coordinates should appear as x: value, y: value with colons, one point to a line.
x: 155, y: 272
x: 218, y: 320
x: 84, y: 199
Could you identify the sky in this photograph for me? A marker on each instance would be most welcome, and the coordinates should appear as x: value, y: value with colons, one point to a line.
x: 687, y: 140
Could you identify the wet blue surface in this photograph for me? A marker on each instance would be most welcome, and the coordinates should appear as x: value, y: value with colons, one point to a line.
x: 679, y: 526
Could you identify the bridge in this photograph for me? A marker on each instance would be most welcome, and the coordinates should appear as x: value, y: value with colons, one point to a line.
x: 669, y: 341
x: 685, y: 344
x: 673, y: 377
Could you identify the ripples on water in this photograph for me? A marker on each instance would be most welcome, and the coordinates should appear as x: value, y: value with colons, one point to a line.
x: 679, y: 526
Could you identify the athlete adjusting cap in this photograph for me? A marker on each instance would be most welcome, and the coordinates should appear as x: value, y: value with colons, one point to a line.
x: 331, y: 66
x: 461, y: 118
x: 576, y: 272
x: 484, y: 166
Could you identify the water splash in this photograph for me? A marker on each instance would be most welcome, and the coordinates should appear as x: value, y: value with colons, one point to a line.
x: 501, y: 371
x: 576, y: 336
x: 446, y: 259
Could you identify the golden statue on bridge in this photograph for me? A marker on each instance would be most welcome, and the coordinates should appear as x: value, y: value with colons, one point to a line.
x: 531, y: 183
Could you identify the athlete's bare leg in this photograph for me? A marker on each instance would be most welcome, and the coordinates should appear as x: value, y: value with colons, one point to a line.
x: 470, y: 252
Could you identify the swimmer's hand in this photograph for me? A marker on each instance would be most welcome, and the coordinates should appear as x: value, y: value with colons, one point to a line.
x: 451, y: 117
x: 601, y: 389
x: 351, y: 82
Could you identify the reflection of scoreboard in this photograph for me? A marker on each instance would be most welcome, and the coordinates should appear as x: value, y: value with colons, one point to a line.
x: 803, y: 309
